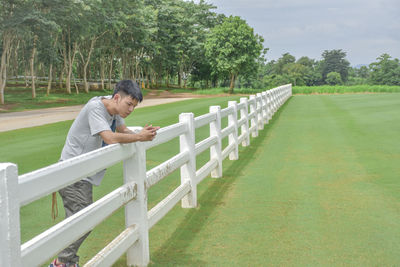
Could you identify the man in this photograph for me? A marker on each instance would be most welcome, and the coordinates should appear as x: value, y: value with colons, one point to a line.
x: 93, y: 128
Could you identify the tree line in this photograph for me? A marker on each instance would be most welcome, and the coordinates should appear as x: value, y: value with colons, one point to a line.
x: 150, y: 41
x: 332, y: 69
x: 155, y: 42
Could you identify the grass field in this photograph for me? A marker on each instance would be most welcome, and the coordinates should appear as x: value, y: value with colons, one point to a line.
x: 318, y: 187
x: 20, y: 98
x: 323, y: 89
x: 346, y: 89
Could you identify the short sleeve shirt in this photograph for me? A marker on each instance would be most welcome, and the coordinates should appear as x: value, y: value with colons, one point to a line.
x: 84, y: 134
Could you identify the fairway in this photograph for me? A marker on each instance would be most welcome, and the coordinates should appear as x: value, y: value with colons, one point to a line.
x: 319, y: 187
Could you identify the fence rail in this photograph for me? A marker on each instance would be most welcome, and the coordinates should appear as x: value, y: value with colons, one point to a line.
x: 246, y: 117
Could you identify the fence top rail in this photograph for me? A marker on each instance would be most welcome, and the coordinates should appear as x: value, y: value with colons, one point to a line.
x: 241, y: 105
x: 166, y: 134
x: 227, y: 111
x: 204, y: 119
x: 39, y: 183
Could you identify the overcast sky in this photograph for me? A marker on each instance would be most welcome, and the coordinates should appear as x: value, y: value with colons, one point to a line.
x: 364, y: 29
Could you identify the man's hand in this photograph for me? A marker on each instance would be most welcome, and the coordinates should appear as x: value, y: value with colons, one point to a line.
x: 148, y: 132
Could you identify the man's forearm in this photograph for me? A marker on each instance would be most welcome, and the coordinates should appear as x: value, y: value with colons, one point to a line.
x: 123, y: 138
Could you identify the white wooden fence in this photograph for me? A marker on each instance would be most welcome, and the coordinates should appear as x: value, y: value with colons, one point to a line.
x: 249, y: 115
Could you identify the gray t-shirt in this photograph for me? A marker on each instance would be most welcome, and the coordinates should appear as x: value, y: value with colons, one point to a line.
x: 83, y: 136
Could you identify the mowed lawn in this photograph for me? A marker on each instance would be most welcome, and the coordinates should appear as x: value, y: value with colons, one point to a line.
x: 319, y: 187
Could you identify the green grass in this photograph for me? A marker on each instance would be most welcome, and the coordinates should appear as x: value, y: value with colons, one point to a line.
x: 343, y: 89
x: 217, y: 91
x: 324, y: 89
x: 318, y: 187
x: 20, y: 98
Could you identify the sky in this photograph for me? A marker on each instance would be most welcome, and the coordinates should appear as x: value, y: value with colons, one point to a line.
x: 364, y: 29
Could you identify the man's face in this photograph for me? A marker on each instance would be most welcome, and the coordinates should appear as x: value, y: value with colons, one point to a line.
x: 125, y: 105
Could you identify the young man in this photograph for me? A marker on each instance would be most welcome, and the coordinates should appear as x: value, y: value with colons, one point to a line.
x: 93, y: 128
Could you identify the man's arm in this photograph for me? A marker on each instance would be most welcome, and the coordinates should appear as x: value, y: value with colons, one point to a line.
x: 123, y: 129
x: 124, y: 135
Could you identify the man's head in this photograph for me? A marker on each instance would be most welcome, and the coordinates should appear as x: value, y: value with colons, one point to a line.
x: 126, y: 96
x: 128, y: 88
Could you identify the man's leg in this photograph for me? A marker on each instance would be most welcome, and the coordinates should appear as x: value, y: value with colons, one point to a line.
x: 75, y: 197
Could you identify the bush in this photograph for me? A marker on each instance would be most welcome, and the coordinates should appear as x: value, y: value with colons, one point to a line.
x: 333, y: 78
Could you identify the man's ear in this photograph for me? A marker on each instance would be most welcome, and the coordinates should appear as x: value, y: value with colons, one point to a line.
x: 117, y: 97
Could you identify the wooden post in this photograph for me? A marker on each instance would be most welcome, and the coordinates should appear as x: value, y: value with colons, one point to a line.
x: 233, y: 137
x: 215, y: 150
x: 136, y: 211
x: 188, y: 170
x: 244, y: 113
x: 254, y: 120
x: 10, y: 238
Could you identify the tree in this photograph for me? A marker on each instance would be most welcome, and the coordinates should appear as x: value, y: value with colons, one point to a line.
x: 233, y: 48
x: 334, y: 61
x: 385, y: 70
x: 333, y: 78
x: 283, y: 62
x: 12, y: 13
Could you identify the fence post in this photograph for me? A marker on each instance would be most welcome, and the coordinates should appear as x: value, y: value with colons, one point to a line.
x: 10, y: 238
x: 188, y: 170
x: 254, y: 119
x: 215, y: 150
x: 275, y: 100
x: 264, y: 107
x: 244, y: 113
x: 233, y: 137
x: 259, y: 112
x: 269, y: 116
x: 136, y: 211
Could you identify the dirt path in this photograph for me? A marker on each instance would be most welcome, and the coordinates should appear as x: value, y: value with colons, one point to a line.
x: 25, y: 119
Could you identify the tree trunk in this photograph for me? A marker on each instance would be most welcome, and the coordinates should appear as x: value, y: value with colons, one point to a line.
x: 51, y: 70
x: 26, y: 76
x: 15, y: 68
x: 167, y: 79
x: 7, y: 40
x: 124, y: 72
x: 50, y: 79
x: 76, y: 86
x: 65, y: 64
x: 232, y: 83
x: 102, y: 74
x: 111, y: 69
x: 32, y: 63
x: 93, y: 41
x: 71, y: 59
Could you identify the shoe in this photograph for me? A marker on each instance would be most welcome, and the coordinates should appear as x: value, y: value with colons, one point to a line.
x: 54, y: 264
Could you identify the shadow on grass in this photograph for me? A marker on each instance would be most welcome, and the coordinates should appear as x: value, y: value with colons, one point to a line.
x: 174, y: 251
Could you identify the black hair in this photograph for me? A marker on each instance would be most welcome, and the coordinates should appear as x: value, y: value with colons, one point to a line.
x: 128, y: 87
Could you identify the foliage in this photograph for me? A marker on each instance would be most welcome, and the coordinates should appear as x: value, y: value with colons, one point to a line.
x: 385, y: 71
x: 154, y: 42
x: 333, y: 78
x: 232, y: 48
